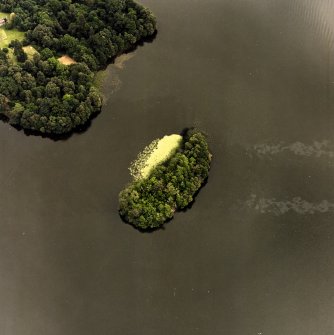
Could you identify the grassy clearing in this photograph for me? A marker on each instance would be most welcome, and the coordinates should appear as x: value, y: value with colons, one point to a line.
x: 3, y: 34
x: 4, y: 15
x: 165, y: 148
x: 155, y: 153
x: 8, y: 35
x: 30, y: 51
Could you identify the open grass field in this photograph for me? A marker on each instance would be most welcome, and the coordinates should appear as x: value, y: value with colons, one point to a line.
x: 4, y: 15
x: 8, y: 35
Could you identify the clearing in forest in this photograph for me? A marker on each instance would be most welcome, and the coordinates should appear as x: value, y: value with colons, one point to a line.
x: 8, y: 35
x: 66, y: 60
x: 30, y: 51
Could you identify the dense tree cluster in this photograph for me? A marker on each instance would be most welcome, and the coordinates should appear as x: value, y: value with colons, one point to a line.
x: 149, y: 202
x: 42, y: 94
x: 90, y: 31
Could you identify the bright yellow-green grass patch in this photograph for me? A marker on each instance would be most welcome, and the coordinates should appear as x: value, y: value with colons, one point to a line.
x: 3, y: 35
x: 154, y: 154
x: 30, y: 51
x: 4, y: 15
x: 8, y: 35
x: 165, y: 148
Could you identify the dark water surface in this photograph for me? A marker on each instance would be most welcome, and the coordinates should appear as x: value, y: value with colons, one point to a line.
x: 254, y: 255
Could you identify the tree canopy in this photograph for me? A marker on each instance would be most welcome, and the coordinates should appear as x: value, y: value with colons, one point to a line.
x: 148, y: 203
x: 39, y: 93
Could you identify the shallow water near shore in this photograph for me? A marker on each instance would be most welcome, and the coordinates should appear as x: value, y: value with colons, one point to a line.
x: 254, y: 254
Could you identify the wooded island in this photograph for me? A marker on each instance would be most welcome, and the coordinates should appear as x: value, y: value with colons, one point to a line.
x: 38, y: 91
x: 148, y: 202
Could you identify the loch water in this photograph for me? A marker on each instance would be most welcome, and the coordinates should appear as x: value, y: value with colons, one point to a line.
x: 254, y: 255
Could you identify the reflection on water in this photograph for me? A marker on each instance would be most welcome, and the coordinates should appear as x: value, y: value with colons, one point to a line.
x: 280, y: 207
x: 316, y: 149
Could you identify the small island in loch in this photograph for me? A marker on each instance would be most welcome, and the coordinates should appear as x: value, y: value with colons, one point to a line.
x: 166, y: 177
x: 50, y: 52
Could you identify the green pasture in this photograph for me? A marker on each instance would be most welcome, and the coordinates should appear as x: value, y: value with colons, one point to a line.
x: 2, y: 15
x: 8, y: 35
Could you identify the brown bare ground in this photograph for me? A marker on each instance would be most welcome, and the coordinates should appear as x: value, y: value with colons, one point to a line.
x: 66, y: 60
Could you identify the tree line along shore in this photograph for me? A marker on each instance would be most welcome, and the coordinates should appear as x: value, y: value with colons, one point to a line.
x: 37, y: 91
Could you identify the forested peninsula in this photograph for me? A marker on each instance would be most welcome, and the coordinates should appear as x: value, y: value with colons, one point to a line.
x: 39, y: 91
x: 150, y: 200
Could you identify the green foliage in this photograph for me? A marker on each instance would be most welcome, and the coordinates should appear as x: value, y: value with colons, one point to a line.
x: 98, y: 30
x: 46, y: 96
x: 148, y: 203
x: 40, y: 93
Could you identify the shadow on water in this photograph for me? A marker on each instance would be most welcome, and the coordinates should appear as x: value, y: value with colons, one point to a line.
x: 148, y: 39
x: 148, y: 230
x: 55, y: 137
x: 267, y: 273
x: 162, y: 227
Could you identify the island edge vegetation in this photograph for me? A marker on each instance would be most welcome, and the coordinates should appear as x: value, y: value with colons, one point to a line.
x: 147, y: 203
x: 37, y: 91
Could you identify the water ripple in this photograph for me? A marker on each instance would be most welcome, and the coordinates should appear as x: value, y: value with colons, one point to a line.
x: 281, y: 207
x: 316, y: 149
